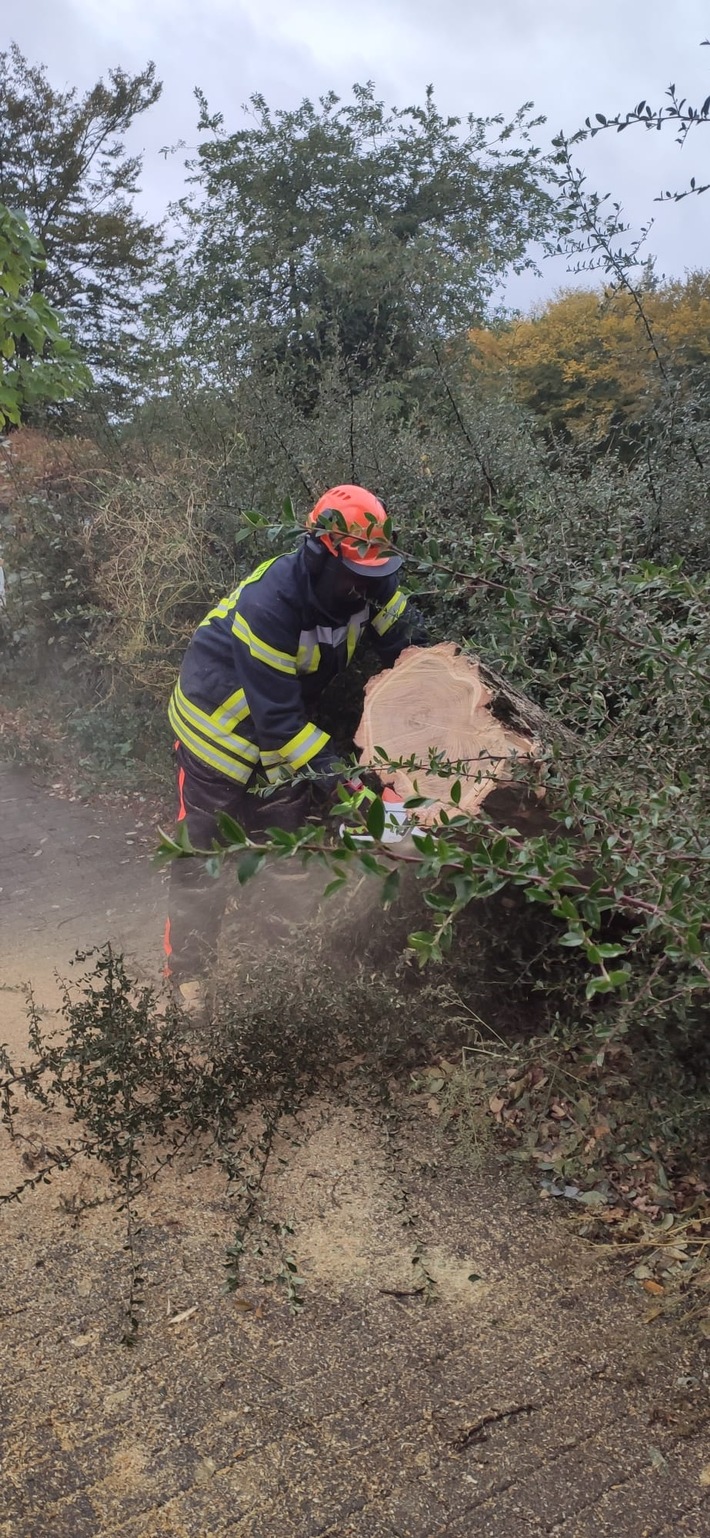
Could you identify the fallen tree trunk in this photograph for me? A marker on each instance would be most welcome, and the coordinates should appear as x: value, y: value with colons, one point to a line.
x: 439, y: 700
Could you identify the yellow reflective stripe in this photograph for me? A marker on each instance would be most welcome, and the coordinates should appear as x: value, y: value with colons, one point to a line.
x: 199, y: 720
x: 392, y: 611
x: 258, y: 573
x: 304, y: 746
x: 229, y: 742
x: 234, y: 709
x: 221, y: 610
x: 308, y: 658
x: 354, y: 633
x: 283, y: 662
x: 355, y: 628
x: 232, y: 768
x: 270, y: 756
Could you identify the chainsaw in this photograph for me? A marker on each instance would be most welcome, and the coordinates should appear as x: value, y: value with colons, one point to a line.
x: 398, y: 820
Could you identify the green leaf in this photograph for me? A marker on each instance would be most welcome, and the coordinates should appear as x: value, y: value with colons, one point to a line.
x: 182, y: 839
x: 421, y: 938
x: 375, y: 821
x: 598, y: 985
x: 249, y: 864
x: 166, y: 851
x: 232, y: 831
x: 369, y: 862
x: 283, y: 839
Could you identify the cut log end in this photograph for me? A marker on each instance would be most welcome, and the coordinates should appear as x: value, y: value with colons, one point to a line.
x: 437, y: 701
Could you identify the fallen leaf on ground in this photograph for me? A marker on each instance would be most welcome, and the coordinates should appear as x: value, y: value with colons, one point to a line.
x: 187, y: 1313
x: 592, y: 1198
x: 657, y: 1459
x: 245, y: 1306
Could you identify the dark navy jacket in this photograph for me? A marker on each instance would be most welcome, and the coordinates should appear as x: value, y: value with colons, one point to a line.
x: 260, y: 659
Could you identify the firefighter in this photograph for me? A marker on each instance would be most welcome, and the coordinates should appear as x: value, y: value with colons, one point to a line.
x: 243, y: 706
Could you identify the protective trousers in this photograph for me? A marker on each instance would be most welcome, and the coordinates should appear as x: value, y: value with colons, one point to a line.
x: 197, y: 900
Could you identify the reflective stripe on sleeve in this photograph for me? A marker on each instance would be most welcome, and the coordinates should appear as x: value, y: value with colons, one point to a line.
x: 221, y: 610
x: 283, y: 662
x: 234, y: 710
x: 206, y: 724
x: 392, y: 611
x: 295, y: 753
x: 299, y: 750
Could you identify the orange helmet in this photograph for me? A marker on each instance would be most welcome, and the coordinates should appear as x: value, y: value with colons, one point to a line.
x: 353, y: 522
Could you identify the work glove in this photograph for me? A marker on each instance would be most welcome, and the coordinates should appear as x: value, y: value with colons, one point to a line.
x: 365, y: 779
x: 331, y: 773
x: 418, y: 628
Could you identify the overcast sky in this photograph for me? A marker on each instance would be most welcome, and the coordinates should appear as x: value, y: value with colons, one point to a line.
x: 571, y: 57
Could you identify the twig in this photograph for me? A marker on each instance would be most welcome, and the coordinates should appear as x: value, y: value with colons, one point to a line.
x: 476, y: 1431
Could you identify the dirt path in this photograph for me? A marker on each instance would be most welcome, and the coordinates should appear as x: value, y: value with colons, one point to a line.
x: 534, y: 1400
x: 70, y: 877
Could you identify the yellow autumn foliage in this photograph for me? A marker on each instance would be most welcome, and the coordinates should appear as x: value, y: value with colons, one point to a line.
x: 585, y: 360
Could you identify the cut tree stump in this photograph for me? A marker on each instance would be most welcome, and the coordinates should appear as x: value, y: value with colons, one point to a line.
x: 439, y: 699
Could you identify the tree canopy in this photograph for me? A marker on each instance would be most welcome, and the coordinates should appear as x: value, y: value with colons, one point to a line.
x: 37, y: 363
x: 349, y: 227
x: 64, y: 166
x: 585, y: 363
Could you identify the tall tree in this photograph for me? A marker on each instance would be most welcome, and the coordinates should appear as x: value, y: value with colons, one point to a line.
x: 37, y: 363
x: 584, y: 362
x: 64, y: 166
x: 342, y: 227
